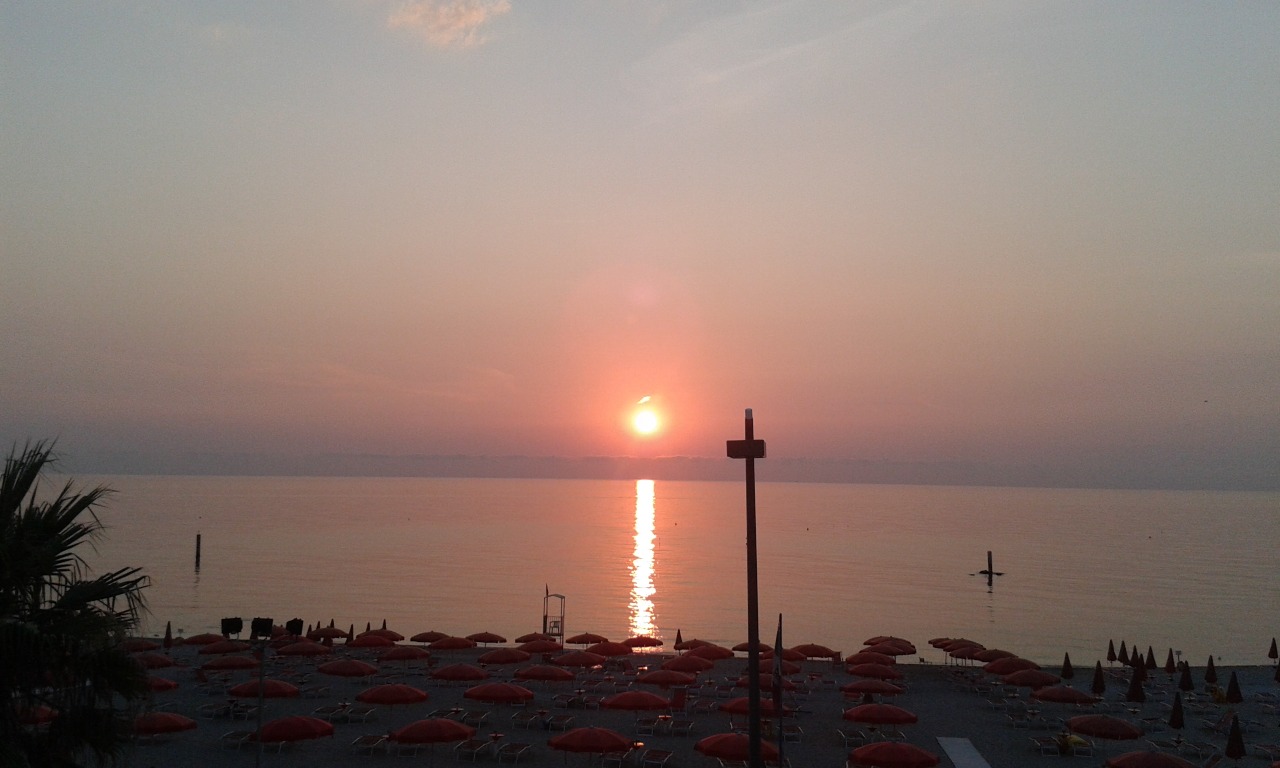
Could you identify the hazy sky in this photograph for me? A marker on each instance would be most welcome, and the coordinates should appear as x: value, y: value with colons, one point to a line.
x: 1006, y: 232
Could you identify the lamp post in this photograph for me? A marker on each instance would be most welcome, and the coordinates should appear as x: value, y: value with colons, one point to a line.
x: 751, y: 449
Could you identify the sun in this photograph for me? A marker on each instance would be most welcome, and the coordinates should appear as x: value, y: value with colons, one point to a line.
x: 645, y: 422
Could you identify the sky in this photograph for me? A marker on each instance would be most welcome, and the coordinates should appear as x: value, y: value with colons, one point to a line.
x: 1004, y: 233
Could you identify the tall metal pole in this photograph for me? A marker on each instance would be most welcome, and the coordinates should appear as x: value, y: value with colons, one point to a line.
x: 751, y: 449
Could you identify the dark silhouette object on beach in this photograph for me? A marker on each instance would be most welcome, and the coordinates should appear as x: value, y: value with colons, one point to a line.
x: 1185, y: 682
x: 1177, y: 719
x: 1151, y: 658
x: 1233, y: 690
x: 1111, y: 651
x: 1210, y: 674
x: 1135, y: 692
x: 1277, y: 678
x: 1099, y: 686
x: 1123, y: 655
x: 1235, y: 740
x: 1169, y: 666
x: 1274, y: 653
x: 1067, y: 671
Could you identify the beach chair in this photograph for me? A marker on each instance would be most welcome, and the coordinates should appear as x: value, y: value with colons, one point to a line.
x: 655, y: 758
x: 511, y: 752
x: 792, y: 733
x: 646, y: 725
x: 526, y: 719
x: 234, y: 739
x: 1047, y: 746
x: 1080, y: 747
x: 359, y: 714
x: 471, y: 749
x: 852, y: 738
x: 369, y: 743
x: 681, y: 727
x: 559, y: 722
x: 215, y: 711
x: 616, y: 759
x: 475, y: 717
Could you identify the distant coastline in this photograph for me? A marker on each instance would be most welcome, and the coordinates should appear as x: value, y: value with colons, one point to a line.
x: 802, y: 470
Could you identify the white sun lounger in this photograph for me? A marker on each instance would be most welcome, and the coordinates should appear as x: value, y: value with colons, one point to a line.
x: 962, y: 753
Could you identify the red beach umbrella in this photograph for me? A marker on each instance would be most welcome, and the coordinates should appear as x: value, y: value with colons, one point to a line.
x: 499, y: 693
x: 37, y: 715
x: 609, y: 649
x: 869, y: 657
x: 766, y: 682
x: 878, y: 671
x: 428, y: 637
x: 880, y: 714
x: 327, y: 633
x: 892, y: 754
x: 579, y: 659
x: 405, y: 653
x: 451, y: 644
x: 436, y: 730
x: 765, y: 667
x: 868, y: 685
x: 160, y: 684
x: 689, y: 645
x: 586, y: 638
x: 815, y: 651
x: 966, y: 652
x: 590, y: 740
x: 531, y: 636
x: 642, y: 641
x: 459, y: 673
x: 205, y: 638
x: 370, y: 640
x: 153, y: 723
x: 389, y: 634
x: 230, y: 663
x: 150, y: 660
x: 545, y: 673
x: 887, y: 639
x: 347, y: 668
x: 1008, y: 665
x: 138, y: 644
x: 665, y: 678
x: 224, y: 646
x: 486, y: 638
x: 1104, y: 727
x: 734, y: 747
x: 296, y: 728
x: 636, y: 701
x: 991, y: 654
x: 1061, y: 694
x: 544, y: 645
x: 890, y: 649
x: 504, y: 656
x: 392, y: 695
x: 711, y: 652
x: 269, y: 689
x: 687, y: 663
x: 1148, y: 760
x: 742, y: 706
x: 1031, y: 678
x: 304, y: 648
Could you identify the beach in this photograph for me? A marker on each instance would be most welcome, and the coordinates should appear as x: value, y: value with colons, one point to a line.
x: 951, y: 700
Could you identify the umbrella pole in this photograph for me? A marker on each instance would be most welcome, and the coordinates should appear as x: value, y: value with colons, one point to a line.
x: 751, y: 449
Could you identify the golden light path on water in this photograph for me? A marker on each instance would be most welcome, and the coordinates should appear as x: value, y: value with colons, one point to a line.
x: 642, y: 563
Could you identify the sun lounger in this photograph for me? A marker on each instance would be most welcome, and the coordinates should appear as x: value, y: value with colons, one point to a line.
x: 471, y: 749
x: 962, y: 752
x: 359, y: 714
x: 680, y: 727
x: 615, y: 759
x: 655, y: 758
x: 234, y: 739
x: 511, y: 752
x: 369, y: 744
x: 559, y: 722
x: 214, y: 711
x: 646, y: 725
x: 793, y: 733
x: 526, y: 720
x: 475, y: 717
x: 1046, y: 745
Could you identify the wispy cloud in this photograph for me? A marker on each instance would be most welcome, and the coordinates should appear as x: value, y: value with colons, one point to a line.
x: 448, y: 23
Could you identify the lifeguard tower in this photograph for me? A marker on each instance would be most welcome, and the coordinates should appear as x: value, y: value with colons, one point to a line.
x: 553, y: 616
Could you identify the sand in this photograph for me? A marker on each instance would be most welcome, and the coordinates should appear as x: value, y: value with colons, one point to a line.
x: 940, y: 694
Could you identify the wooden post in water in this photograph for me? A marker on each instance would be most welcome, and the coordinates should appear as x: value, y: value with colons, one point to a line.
x: 197, y: 551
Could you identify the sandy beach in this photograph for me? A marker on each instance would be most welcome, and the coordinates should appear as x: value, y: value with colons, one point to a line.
x: 952, y: 701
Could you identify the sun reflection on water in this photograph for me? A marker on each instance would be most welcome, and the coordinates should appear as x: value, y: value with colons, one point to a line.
x: 642, y: 590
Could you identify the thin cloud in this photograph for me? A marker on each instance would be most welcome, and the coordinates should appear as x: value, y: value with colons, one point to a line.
x: 448, y: 23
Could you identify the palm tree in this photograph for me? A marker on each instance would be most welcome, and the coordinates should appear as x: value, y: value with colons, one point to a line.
x: 60, y: 628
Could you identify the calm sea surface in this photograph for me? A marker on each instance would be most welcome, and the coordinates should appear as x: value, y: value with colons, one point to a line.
x: 1192, y: 571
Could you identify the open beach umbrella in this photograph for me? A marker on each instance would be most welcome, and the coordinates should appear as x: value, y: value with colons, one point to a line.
x: 304, y: 648
x: 892, y: 754
x: 541, y: 645
x: 504, y: 656
x: 1104, y: 727
x: 370, y: 640
x: 816, y: 651
x: 1061, y: 694
x: 888, y: 649
x: 152, y: 723
x: 742, y: 706
x: 636, y: 701
x: 405, y: 653
x: 436, y: 730
x: 687, y: 663
x: 268, y: 689
x: 710, y: 651
x: 204, y: 638
x: 967, y: 652
x: 223, y: 646
x: 765, y: 667
x: 486, y: 638
x: 665, y: 678
x: 499, y: 693
x: 579, y: 659
x: 871, y: 686
x: 590, y: 740
x: 296, y: 728
x: 1099, y: 685
x: 991, y: 654
x: 160, y: 684
x: 1147, y: 759
x: 880, y: 714
x: 869, y: 657
x: 459, y: 673
x: 586, y: 638
x: 347, y: 668
x: 531, y: 636
x: 689, y: 645
x: 138, y: 644
x: 389, y: 634
x: 766, y: 680
x: 887, y: 639
x: 734, y: 747
x: 1008, y: 665
x: 642, y: 641
x: 391, y: 695
x: 878, y: 671
x: 609, y: 649
x: 428, y: 637
x: 545, y: 673
x: 152, y: 660
x: 1031, y: 678
x: 327, y: 633
x: 451, y: 644
x: 230, y: 663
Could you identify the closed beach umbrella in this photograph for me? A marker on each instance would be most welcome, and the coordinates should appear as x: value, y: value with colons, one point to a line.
x: 1148, y: 760
x: 1185, y: 683
x: 878, y: 671
x: 734, y: 747
x: 405, y: 653
x: 1210, y: 673
x: 880, y: 714
x: 687, y: 663
x: 1111, y: 652
x: 869, y: 657
x: 891, y: 754
x: 1068, y: 671
x: 459, y: 673
x: 1177, y: 719
x: 150, y: 660
x: 1061, y: 694
x: 451, y: 644
x: 153, y: 723
x: 230, y: 662
x: 1151, y: 658
x: 1099, y: 686
x: 586, y: 638
x: 392, y: 695
x: 609, y: 649
x: 223, y: 646
x: 168, y: 635
x: 1273, y: 653
x: 595, y: 740
x: 296, y: 728
x: 545, y: 673
x: 579, y: 659
x: 1235, y: 740
x: 267, y: 689
x: 428, y: 637
x: 1031, y: 678
x: 1008, y: 665
x: 347, y: 668
x: 304, y: 648
x: 636, y: 701
x: 1123, y: 654
x: 1135, y: 693
x: 541, y: 645
x: 1104, y: 727
x: 436, y: 730
x: 711, y: 652
x: 504, y: 656
x: 486, y: 638
x: 499, y: 693
x: 816, y: 651
x: 665, y: 678
x: 1170, y: 667
x: 1234, y: 696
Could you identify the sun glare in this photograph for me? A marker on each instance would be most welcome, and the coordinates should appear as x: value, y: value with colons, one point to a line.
x: 645, y: 421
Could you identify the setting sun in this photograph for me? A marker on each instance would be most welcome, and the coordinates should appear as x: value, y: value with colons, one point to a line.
x: 645, y: 421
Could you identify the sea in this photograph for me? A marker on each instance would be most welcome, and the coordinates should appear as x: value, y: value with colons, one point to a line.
x: 1190, y: 572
